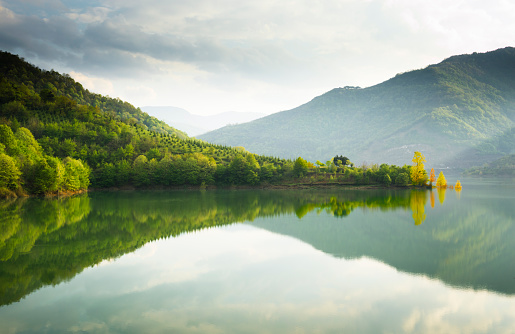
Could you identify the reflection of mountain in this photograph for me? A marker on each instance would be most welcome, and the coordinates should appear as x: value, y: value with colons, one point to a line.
x: 467, y: 248
x: 46, y: 242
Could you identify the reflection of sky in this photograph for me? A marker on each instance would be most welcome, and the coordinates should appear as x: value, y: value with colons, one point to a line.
x: 242, y: 279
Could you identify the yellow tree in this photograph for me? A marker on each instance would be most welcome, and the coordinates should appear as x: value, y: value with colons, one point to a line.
x: 441, y: 182
x: 457, y: 187
x: 418, y: 173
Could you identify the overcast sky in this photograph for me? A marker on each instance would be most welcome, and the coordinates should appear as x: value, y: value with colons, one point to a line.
x: 211, y: 56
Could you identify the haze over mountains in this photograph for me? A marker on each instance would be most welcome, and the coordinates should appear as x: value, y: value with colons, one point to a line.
x: 195, y: 125
x: 458, y: 113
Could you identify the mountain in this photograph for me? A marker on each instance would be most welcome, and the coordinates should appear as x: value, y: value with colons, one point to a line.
x: 195, y: 125
x: 457, y: 113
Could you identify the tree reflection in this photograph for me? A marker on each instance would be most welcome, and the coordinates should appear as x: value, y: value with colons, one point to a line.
x: 417, y: 203
x: 441, y: 194
x: 46, y: 241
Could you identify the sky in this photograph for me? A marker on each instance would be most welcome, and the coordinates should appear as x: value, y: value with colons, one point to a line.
x: 261, y: 56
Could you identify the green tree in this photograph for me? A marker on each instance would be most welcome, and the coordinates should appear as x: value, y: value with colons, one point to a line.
x: 9, y: 173
x: 140, y: 171
x: 8, y: 139
x: 402, y: 179
x: 300, y: 167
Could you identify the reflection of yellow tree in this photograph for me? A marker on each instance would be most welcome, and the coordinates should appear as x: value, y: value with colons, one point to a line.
x: 417, y: 202
x: 441, y: 194
x: 432, y: 199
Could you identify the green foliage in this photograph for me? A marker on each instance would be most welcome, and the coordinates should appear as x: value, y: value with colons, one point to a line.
x: 9, y: 173
x: 402, y: 179
x: 300, y: 167
x: 8, y: 140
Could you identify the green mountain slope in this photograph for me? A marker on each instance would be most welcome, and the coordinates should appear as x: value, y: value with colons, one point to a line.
x: 445, y: 111
x: 49, y: 122
x: 21, y: 81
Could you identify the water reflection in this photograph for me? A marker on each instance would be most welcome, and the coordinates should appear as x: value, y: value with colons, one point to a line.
x: 45, y: 241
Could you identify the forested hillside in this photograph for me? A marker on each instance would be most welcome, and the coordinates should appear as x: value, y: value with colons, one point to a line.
x: 460, y: 113
x: 504, y: 166
x: 56, y: 136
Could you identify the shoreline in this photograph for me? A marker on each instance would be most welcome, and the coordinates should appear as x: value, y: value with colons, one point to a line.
x: 288, y: 186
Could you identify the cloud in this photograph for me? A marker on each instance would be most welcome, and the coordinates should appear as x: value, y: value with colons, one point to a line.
x: 93, y: 84
x: 300, y: 44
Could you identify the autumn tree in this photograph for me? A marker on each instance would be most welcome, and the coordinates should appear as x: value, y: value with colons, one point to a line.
x: 441, y: 182
x: 432, y: 177
x: 418, y: 173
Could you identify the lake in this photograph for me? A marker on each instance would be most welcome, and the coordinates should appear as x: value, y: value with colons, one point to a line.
x: 261, y: 261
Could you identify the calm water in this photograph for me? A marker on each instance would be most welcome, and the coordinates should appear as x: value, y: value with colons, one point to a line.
x: 334, y: 261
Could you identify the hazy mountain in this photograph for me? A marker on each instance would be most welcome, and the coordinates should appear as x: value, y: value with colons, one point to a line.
x: 459, y: 112
x: 195, y: 125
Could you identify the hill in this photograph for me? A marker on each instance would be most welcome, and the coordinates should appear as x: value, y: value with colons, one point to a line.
x: 21, y: 81
x: 504, y: 166
x: 56, y: 136
x: 195, y: 125
x: 448, y: 111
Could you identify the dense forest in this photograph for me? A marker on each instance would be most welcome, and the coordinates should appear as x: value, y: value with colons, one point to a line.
x: 460, y: 113
x: 56, y: 137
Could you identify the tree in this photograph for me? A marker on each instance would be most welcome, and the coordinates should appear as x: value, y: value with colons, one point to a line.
x: 418, y: 173
x: 300, y: 167
x: 341, y: 161
x: 432, y: 177
x: 402, y: 179
x: 8, y: 139
x: 140, y: 171
x: 441, y: 182
x: 244, y: 170
x: 9, y: 173
x: 387, y: 180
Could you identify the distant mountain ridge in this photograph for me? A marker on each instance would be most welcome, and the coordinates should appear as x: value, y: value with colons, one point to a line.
x: 195, y: 125
x: 448, y: 111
